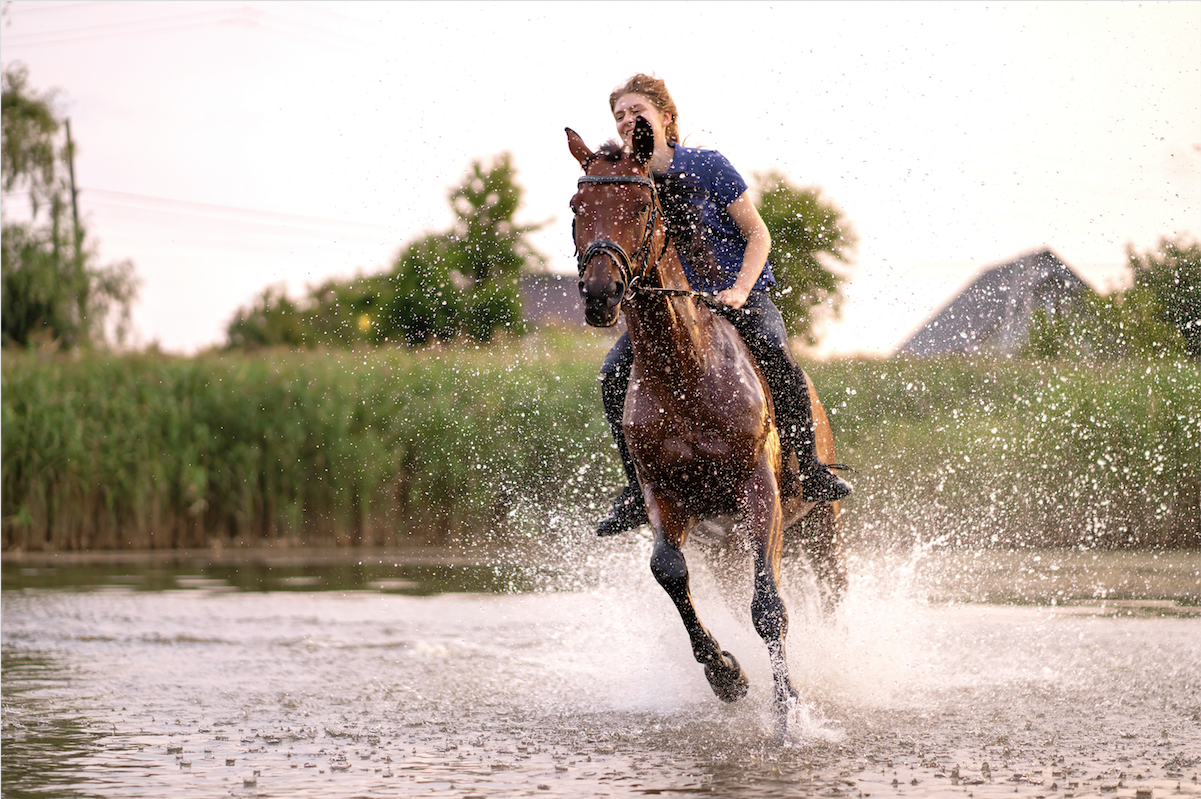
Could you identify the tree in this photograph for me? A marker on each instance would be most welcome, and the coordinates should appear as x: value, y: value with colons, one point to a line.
x: 272, y: 319
x: 52, y: 286
x: 1170, y: 276
x: 29, y: 155
x: 1159, y: 316
x: 1123, y: 324
x: 807, y: 231
x: 488, y: 250
x: 443, y: 285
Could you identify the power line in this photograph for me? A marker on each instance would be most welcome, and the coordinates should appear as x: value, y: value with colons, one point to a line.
x: 31, y: 8
x: 217, y: 224
x: 209, y: 210
x: 119, y: 28
x: 192, y: 207
x: 245, y: 16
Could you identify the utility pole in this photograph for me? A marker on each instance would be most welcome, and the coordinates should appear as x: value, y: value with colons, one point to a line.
x: 81, y: 282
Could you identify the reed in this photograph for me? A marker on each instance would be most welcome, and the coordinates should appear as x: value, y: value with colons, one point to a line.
x: 1014, y: 453
x: 464, y: 445
x: 150, y: 451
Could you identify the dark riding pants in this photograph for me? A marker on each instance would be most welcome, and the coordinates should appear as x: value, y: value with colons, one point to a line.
x: 762, y: 328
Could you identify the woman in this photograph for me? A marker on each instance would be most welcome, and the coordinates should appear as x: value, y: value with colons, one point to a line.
x: 723, y: 245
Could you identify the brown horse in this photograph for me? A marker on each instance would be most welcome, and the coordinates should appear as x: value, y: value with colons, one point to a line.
x: 698, y: 414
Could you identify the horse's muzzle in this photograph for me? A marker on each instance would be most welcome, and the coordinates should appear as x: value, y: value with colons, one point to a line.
x: 602, y: 292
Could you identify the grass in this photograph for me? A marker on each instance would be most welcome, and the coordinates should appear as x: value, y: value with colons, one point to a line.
x: 1017, y: 453
x: 464, y: 445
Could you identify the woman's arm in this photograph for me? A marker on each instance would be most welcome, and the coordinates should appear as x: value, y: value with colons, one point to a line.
x: 758, y: 245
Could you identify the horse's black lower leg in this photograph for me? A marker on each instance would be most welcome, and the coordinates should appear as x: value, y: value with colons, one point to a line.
x: 770, y: 618
x: 671, y: 572
x: 721, y: 669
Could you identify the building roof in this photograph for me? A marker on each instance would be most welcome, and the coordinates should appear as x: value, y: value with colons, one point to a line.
x: 993, y: 314
x: 551, y: 299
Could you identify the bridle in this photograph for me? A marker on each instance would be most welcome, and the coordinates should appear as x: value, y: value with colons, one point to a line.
x: 613, y: 249
x: 634, y: 281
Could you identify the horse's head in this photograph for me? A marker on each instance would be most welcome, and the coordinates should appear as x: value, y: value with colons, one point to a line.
x: 615, y: 213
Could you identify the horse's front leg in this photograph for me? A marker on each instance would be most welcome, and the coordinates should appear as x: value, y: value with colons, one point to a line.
x: 764, y: 521
x: 669, y: 521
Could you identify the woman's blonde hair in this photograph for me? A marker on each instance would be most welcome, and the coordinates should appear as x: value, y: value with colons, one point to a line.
x: 654, y: 90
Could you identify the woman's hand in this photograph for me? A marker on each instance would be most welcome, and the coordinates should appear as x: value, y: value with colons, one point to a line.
x: 733, y: 297
x: 758, y: 245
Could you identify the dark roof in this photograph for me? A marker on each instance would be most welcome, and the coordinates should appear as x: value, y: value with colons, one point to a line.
x: 551, y: 299
x: 993, y: 314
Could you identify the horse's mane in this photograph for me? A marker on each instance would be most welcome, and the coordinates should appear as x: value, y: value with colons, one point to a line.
x: 686, y: 227
x: 611, y: 151
x: 683, y: 216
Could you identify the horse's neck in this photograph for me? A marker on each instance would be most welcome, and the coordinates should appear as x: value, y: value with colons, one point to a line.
x: 669, y: 334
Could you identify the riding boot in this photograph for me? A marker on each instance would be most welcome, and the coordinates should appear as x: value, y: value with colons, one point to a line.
x: 762, y: 328
x: 794, y: 418
x: 629, y: 510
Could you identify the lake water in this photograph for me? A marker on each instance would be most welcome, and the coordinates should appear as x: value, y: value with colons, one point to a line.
x: 968, y: 674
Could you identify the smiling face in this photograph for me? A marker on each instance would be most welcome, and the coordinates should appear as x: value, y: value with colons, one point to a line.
x: 631, y: 106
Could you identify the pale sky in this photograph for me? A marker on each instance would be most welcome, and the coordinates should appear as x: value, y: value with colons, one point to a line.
x: 225, y: 146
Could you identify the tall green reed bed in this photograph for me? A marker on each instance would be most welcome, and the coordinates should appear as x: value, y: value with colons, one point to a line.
x: 149, y: 451
x: 1012, y: 453
x: 466, y: 445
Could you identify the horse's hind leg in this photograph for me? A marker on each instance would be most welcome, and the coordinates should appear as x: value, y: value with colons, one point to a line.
x: 818, y: 535
x: 725, y: 675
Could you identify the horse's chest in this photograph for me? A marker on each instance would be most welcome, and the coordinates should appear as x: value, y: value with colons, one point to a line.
x: 698, y: 429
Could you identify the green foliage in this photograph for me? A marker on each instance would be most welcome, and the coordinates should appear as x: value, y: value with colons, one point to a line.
x: 1127, y: 324
x: 38, y: 286
x: 29, y: 155
x: 470, y: 445
x: 383, y: 447
x: 1170, y: 277
x: 463, y: 282
x: 53, y: 289
x: 272, y: 319
x: 493, y: 247
x: 806, y: 231
x: 1159, y: 316
x: 969, y: 452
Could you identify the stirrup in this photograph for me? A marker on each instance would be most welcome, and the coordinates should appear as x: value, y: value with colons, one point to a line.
x: 822, y: 485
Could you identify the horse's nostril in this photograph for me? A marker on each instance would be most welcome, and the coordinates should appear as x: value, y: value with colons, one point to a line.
x: 617, y: 290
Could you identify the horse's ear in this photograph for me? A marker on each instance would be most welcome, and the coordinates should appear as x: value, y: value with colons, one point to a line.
x: 644, y: 141
x: 579, y: 150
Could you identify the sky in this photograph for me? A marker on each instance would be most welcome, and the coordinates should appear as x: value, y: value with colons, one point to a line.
x: 227, y: 146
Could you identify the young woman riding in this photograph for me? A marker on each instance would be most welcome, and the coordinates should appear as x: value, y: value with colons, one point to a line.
x: 723, y: 245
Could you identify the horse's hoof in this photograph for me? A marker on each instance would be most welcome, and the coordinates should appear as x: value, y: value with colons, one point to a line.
x: 727, y: 679
x: 786, y: 706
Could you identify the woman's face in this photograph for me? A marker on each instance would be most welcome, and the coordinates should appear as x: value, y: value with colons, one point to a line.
x: 631, y: 106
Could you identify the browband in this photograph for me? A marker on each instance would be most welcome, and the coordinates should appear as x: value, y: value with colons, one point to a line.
x: 634, y: 179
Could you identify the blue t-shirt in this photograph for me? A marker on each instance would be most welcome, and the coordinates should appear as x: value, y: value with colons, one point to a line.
x: 712, y: 183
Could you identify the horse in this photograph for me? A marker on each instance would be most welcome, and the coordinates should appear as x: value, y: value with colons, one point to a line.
x: 698, y: 415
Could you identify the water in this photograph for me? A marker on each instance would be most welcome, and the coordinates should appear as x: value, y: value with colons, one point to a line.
x: 1036, y: 674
